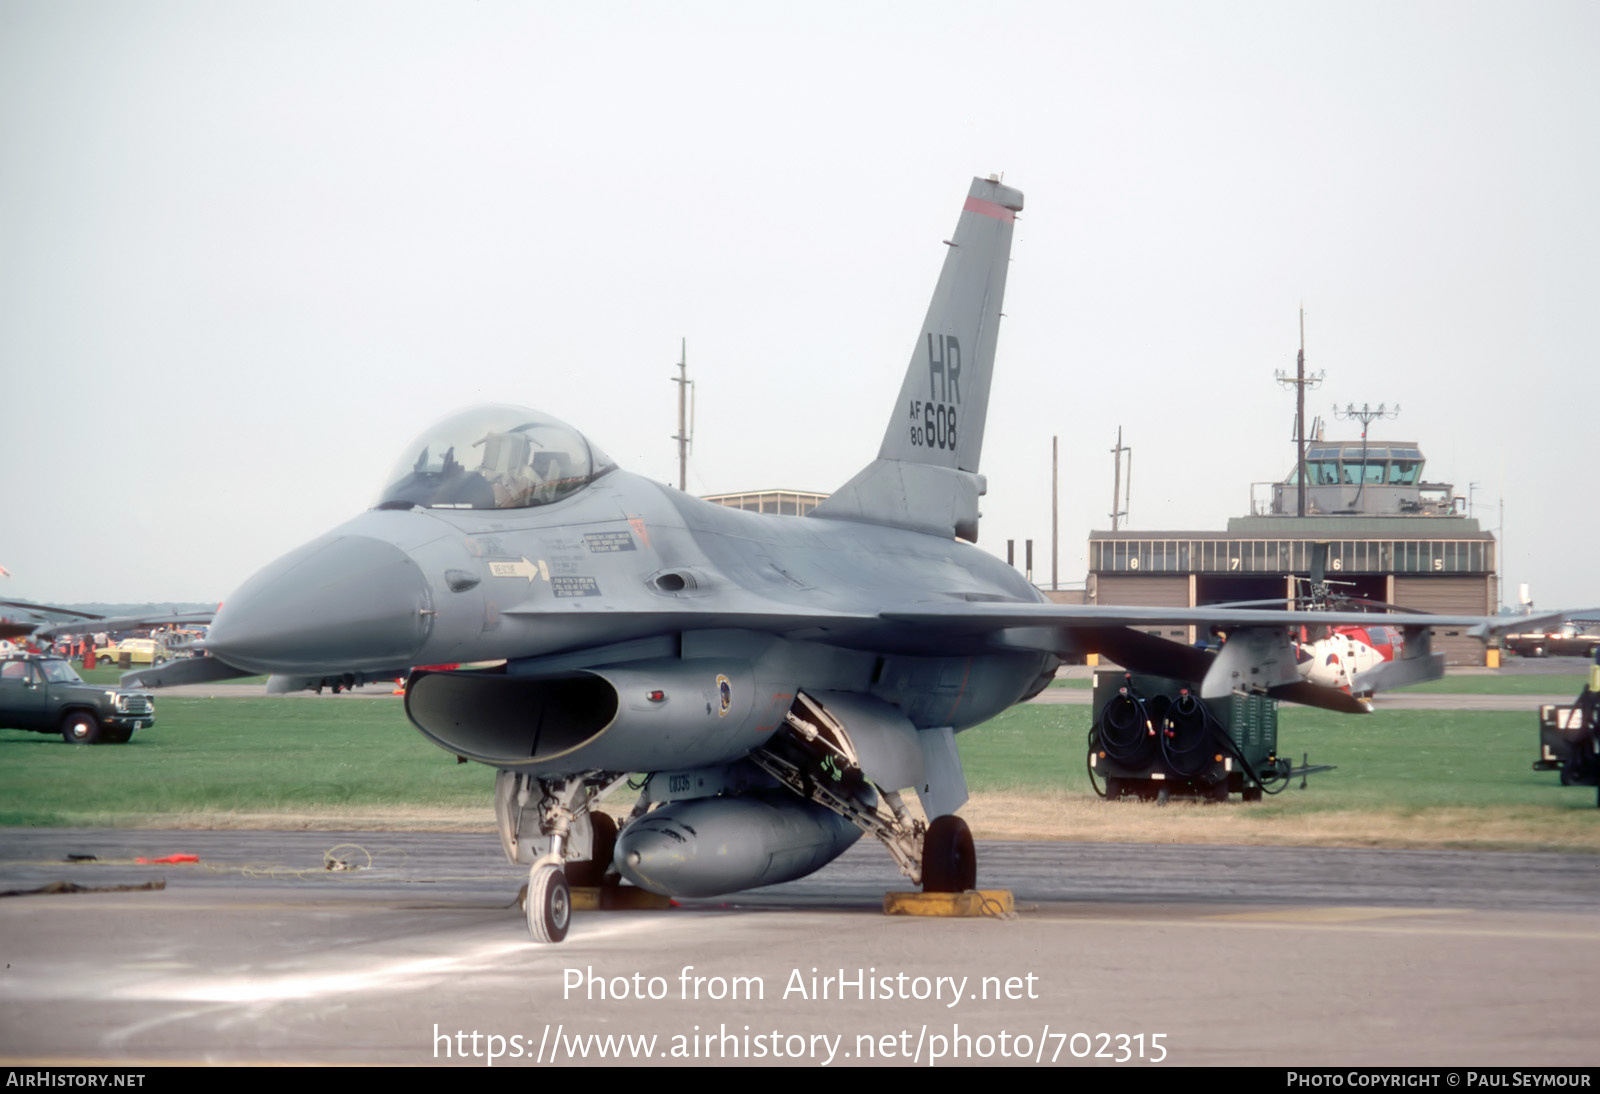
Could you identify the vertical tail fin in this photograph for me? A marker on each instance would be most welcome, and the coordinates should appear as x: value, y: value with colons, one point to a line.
x: 926, y: 475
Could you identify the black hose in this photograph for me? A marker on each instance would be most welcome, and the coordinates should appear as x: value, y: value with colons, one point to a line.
x: 1186, y: 734
x: 1125, y: 729
x: 1282, y: 770
x: 1088, y: 762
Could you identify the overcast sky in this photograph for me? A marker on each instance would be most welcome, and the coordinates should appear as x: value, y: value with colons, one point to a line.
x: 248, y: 250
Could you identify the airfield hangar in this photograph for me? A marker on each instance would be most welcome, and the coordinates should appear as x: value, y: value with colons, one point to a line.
x: 1391, y: 537
x: 789, y: 503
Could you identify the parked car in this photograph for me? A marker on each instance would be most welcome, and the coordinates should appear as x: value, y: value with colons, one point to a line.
x: 43, y: 694
x: 135, y: 651
x: 1571, y: 640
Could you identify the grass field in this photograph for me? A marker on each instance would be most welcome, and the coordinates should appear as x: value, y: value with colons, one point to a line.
x: 1529, y: 684
x: 110, y: 674
x: 1404, y: 778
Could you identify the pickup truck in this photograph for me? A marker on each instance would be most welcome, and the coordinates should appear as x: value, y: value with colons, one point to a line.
x: 43, y: 694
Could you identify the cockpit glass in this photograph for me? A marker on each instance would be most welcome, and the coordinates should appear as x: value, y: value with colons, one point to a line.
x: 494, y: 457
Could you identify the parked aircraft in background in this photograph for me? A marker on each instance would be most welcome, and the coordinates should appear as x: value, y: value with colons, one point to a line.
x: 1335, y: 656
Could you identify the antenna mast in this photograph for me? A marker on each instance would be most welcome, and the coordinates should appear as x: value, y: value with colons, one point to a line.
x: 1055, y: 508
x: 683, y: 436
x: 1366, y: 415
x: 1119, y: 500
x: 1301, y: 381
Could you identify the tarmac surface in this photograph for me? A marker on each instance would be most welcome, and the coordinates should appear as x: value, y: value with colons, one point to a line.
x: 1120, y: 954
x: 258, y: 954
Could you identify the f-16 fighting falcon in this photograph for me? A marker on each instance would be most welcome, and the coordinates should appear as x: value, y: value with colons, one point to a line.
x: 781, y: 681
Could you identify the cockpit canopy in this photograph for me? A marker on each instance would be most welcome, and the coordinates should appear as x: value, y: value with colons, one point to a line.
x: 494, y: 457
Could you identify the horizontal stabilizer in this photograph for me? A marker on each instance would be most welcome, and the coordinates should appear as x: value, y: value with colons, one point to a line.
x: 1399, y: 674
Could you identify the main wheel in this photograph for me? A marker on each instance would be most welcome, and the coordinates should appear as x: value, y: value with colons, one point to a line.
x: 949, y: 861
x: 593, y: 872
x: 80, y: 728
x: 549, y: 904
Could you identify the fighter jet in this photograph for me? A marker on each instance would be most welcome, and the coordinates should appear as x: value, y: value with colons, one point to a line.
x: 778, y: 681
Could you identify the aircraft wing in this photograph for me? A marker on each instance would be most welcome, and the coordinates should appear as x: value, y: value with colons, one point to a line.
x: 122, y: 623
x: 30, y: 606
x: 1258, y: 654
x: 86, y: 622
x: 990, y: 616
x: 17, y: 628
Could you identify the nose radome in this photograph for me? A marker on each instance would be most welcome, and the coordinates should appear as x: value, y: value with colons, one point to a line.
x: 338, y: 604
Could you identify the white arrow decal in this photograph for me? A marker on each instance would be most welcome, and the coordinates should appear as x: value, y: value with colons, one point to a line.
x: 520, y: 568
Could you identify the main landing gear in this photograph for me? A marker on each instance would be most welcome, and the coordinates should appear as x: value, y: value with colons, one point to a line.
x: 815, y: 758
x: 949, y: 861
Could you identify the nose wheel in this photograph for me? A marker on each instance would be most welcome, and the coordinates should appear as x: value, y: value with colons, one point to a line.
x: 549, y: 903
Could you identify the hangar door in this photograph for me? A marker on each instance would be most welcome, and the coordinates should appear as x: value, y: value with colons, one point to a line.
x: 1449, y: 596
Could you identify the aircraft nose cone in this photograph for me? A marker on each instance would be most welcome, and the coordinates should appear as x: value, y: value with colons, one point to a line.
x: 338, y: 604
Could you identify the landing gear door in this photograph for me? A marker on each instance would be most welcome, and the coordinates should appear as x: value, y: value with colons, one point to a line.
x: 943, y: 788
x: 884, y: 741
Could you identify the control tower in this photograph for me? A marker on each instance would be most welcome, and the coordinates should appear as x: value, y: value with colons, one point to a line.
x: 1391, y: 536
x: 1366, y: 478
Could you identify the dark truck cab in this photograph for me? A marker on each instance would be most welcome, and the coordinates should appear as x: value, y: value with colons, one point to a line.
x: 43, y: 694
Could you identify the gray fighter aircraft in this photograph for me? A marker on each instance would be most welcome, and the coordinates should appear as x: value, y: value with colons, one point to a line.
x: 779, y: 680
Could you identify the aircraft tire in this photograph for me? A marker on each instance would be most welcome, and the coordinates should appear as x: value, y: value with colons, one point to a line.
x: 549, y: 904
x: 593, y: 872
x: 81, y: 728
x: 949, y: 861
